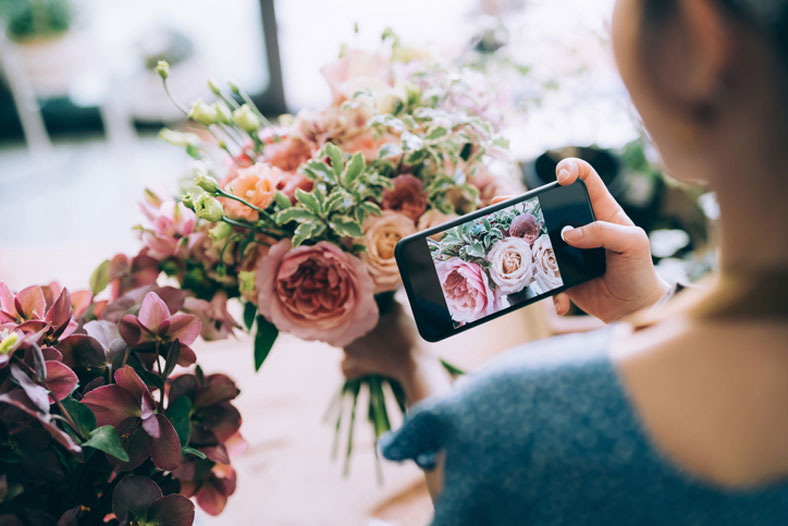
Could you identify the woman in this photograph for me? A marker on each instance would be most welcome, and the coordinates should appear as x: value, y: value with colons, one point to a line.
x: 682, y: 420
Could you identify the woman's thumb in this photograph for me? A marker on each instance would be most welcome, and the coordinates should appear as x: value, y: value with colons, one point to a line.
x: 610, y: 236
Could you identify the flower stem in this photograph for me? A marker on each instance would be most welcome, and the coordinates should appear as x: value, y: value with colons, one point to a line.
x: 172, y: 99
x: 241, y: 200
x: 255, y: 228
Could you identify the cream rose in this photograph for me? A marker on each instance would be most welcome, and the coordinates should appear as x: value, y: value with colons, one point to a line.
x: 381, y: 234
x: 511, y: 265
x: 547, y: 274
x: 433, y: 217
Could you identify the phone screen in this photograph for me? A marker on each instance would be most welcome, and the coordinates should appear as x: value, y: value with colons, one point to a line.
x: 496, y: 260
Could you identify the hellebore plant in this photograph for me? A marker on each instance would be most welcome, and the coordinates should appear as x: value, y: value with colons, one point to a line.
x: 94, y: 428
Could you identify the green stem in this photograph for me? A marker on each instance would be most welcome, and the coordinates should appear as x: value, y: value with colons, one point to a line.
x: 172, y: 99
x: 241, y: 200
x: 356, y: 387
x: 255, y: 228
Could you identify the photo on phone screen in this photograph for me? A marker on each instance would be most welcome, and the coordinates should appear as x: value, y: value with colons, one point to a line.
x: 494, y: 262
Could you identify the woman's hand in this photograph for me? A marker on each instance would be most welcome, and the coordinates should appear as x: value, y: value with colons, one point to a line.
x: 630, y: 282
x: 393, y: 349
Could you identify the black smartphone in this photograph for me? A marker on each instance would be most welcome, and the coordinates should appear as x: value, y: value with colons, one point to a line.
x: 495, y: 260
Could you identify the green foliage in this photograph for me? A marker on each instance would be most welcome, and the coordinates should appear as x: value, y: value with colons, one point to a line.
x: 105, y: 438
x: 343, y: 196
x: 30, y: 19
x: 263, y: 341
x: 100, y: 277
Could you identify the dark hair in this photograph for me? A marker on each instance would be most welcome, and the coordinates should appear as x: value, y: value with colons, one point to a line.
x: 774, y: 28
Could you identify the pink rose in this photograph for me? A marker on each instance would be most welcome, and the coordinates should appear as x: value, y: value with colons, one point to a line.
x: 335, y: 124
x: 357, y: 70
x: 547, y: 275
x: 406, y: 196
x: 527, y: 227
x: 466, y: 289
x: 316, y: 292
x: 511, y: 265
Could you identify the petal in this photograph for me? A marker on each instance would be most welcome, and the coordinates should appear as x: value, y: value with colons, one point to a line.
x: 37, y: 394
x: 151, y: 426
x: 184, y: 384
x: 80, y: 301
x: 171, y: 510
x: 153, y: 311
x: 112, y: 404
x: 30, y: 303
x: 61, y: 380
x: 128, y: 378
x: 82, y: 351
x: 186, y: 356
x: 212, y: 495
x: 165, y: 451
x: 216, y: 453
x: 174, y: 298
x: 7, y: 301
x: 129, y: 329
x: 222, y: 419
x: 218, y: 388
x: 134, y: 494
x: 60, y: 313
x: 18, y: 399
x: 184, y: 327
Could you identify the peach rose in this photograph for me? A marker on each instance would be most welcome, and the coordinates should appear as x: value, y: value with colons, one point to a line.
x: 406, y: 196
x: 466, y: 289
x: 434, y: 217
x: 335, y: 124
x: 316, y: 292
x: 511, y: 265
x: 257, y: 185
x: 288, y: 153
x: 381, y: 234
x: 547, y: 274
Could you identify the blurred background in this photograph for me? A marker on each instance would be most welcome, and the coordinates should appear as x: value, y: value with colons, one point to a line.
x: 80, y: 109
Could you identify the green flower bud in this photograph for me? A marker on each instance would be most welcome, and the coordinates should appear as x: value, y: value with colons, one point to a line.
x: 246, y: 119
x: 7, y: 340
x: 223, y: 112
x: 203, y: 113
x: 163, y: 69
x: 177, y: 138
x: 207, y: 183
x: 187, y: 201
x: 220, y: 232
x: 246, y: 282
x: 209, y: 208
x: 213, y: 87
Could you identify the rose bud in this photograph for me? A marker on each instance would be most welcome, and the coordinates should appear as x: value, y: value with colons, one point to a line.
x: 209, y: 208
x: 246, y: 119
x: 207, y: 183
x: 526, y: 226
x: 202, y: 113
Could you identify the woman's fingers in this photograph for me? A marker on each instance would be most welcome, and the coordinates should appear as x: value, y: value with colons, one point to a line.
x: 561, y: 303
x: 610, y: 236
x: 500, y: 199
x: 605, y: 206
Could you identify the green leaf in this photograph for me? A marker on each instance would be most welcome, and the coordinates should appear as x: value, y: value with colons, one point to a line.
x: 82, y: 416
x: 282, y: 200
x: 437, y: 133
x: 353, y: 170
x: 337, y: 158
x: 370, y: 208
x: 250, y: 311
x: 345, y: 226
x: 263, y: 341
x: 307, y: 231
x: 308, y: 200
x: 100, y: 277
x: 338, y: 200
x: 295, y: 213
x: 179, y: 413
x: 105, y: 438
x: 196, y: 452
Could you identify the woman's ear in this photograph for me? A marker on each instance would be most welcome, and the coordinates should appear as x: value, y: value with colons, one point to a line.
x: 706, y: 51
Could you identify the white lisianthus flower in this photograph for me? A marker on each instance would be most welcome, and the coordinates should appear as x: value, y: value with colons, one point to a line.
x: 511, y: 265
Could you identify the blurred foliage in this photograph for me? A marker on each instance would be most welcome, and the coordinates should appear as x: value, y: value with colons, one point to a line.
x: 36, y: 19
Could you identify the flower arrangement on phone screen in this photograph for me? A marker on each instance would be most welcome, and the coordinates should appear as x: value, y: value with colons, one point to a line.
x: 496, y: 261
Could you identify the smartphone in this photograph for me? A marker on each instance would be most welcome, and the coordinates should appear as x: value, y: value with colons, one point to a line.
x: 490, y: 262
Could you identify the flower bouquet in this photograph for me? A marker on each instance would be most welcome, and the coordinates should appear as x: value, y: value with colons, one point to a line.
x: 300, y: 218
x: 94, y: 426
